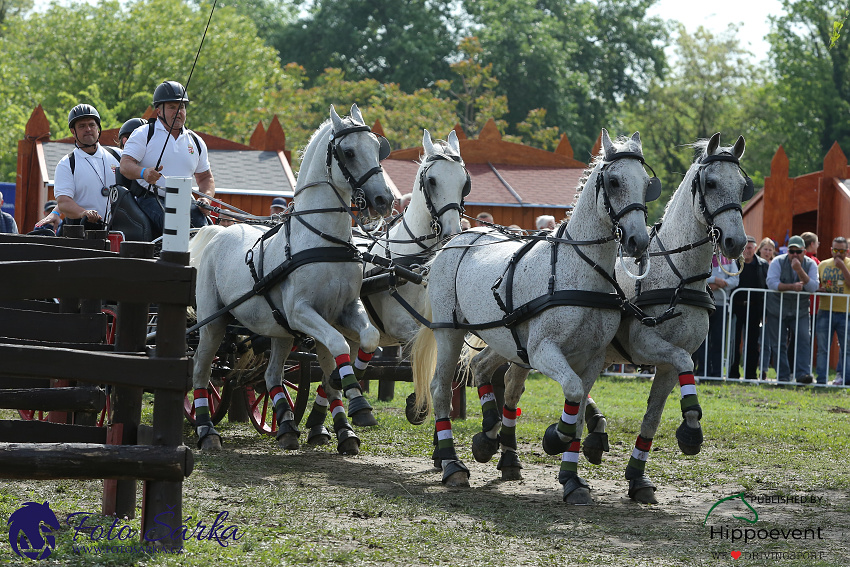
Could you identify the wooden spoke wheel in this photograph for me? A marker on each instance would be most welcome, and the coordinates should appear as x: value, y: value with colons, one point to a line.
x: 259, y: 405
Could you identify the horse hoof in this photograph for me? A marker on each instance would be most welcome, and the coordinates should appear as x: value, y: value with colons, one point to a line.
x: 594, y: 445
x: 347, y: 442
x: 364, y: 418
x: 414, y: 417
x: 318, y: 435
x: 552, y: 442
x: 350, y: 446
x: 483, y: 448
x: 511, y: 473
x: 288, y: 442
x: 579, y: 497
x: 689, y: 438
x: 645, y: 495
x: 211, y: 443
x: 459, y: 479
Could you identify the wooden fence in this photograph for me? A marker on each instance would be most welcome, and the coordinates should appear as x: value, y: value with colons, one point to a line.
x: 46, y: 348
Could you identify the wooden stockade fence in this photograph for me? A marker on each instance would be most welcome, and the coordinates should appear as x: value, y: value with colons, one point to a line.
x: 55, y: 358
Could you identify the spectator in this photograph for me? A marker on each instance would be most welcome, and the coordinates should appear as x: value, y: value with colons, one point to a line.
x: 278, y: 206
x: 747, y: 308
x: 187, y: 156
x: 545, y: 222
x: 403, y: 202
x: 50, y: 224
x: 811, y: 240
x: 793, y: 272
x: 832, y: 315
x: 83, y: 177
x: 515, y: 228
x: 224, y: 220
x: 766, y: 249
x: 484, y: 219
x: 464, y: 224
x: 7, y: 221
x: 719, y: 280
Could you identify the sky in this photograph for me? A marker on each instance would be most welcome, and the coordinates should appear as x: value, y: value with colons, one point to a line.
x: 716, y: 15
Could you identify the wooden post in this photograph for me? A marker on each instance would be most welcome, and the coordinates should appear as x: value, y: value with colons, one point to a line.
x: 163, y: 500
x: 119, y: 497
x: 834, y: 166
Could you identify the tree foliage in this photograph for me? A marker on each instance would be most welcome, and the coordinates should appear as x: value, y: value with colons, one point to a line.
x: 812, y: 81
x: 408, y: 42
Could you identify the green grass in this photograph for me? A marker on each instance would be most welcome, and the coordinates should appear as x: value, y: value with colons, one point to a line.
x: 314, y: 507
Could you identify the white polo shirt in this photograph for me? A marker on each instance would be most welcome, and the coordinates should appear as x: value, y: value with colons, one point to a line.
x: 91, y: 174
x: 180, y: 159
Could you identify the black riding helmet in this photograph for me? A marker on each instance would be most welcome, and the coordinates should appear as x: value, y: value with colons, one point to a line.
x: 83, y: 111
x: 169, y: 91
x: 128, y: 127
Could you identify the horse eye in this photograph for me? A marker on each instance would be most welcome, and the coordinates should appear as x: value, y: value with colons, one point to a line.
x: 710, y: 184
x: 349, y: 154
x: 432, y: 182
x: 615, y: 182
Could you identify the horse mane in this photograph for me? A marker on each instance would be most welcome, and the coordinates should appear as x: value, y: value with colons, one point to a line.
x: 622, y: 144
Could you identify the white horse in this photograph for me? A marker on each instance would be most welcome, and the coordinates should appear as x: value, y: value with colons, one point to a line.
x: 564, y: 285
x: 433, y: 215
x: 704, y: 214
x: 307, y: 275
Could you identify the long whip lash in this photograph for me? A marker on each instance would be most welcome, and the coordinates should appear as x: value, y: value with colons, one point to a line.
x: 189, y: 80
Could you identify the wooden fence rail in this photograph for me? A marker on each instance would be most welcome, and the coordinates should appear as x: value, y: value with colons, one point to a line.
x: 65, y: 347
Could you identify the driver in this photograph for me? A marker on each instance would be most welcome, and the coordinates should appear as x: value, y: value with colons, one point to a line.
x: 185, y: 155
x: 83, y: 177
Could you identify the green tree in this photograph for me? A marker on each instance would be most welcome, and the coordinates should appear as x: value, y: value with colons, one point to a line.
x: 575, y: 58
x: 12, y: 8
x: 400, y: 41
x: 699, y: 95
x: 812, y: 81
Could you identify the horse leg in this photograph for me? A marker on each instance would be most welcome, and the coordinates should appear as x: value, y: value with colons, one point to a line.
x: 449, y: 345
x: 211, y: 336
x: 509, y: 462
x: 563, y: 437
x: 596, y: 441
x: 485, y: 443
x: 317, y: 433
x: 287, y: 432
x: 347, y: 441
x: 641, y: 488
x: 354, y: 317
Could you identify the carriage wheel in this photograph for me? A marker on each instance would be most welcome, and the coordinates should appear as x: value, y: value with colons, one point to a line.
x: 32, y: 415
x: 261, y: 409
x: 219, y: 402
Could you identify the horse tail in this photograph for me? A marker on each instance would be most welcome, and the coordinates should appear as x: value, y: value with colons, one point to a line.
x: 473, y: 344
x: 199, y: 243
x: 423, y: 362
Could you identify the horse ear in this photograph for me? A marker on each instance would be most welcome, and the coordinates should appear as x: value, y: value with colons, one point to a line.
x: 453, y: 142
x: 427, y: 143
x: 355, y: 114
x: 337, y: 121
x: 607, y: 144
x: 713, y: 144
x: 636, y: 138
x: 740, y: 146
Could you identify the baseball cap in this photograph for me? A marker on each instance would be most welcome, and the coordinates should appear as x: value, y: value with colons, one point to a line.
x: 279, y: 202
x: 796, y: 241
x: 48, y: 206
x: 751, y: 238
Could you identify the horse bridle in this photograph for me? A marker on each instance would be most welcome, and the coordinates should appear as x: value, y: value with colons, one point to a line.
x: 602, y: 184
x: 436, y: 227
x: 698, y: 187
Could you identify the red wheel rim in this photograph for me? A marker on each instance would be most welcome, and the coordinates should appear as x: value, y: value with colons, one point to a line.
x: 261, y: 408
x: 30, y: 415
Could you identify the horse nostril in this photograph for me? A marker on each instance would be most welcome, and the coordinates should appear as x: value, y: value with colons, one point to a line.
x: 729, y: 243
x: 632, y: 244
x: 380, y: 202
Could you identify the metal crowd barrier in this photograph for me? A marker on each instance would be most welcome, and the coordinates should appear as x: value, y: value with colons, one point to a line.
x: 769, y: 352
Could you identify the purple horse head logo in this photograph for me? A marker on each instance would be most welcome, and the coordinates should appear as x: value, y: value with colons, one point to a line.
x: 30, y: 530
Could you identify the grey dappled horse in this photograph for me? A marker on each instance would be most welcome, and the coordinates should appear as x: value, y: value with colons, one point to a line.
x: 321, y: 275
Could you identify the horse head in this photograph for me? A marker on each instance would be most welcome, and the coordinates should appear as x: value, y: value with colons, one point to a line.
x: 622, y: 188
x: 718, y: 187
x: 30, y: 530
x: 443, y: 183
x: 354, y: 160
